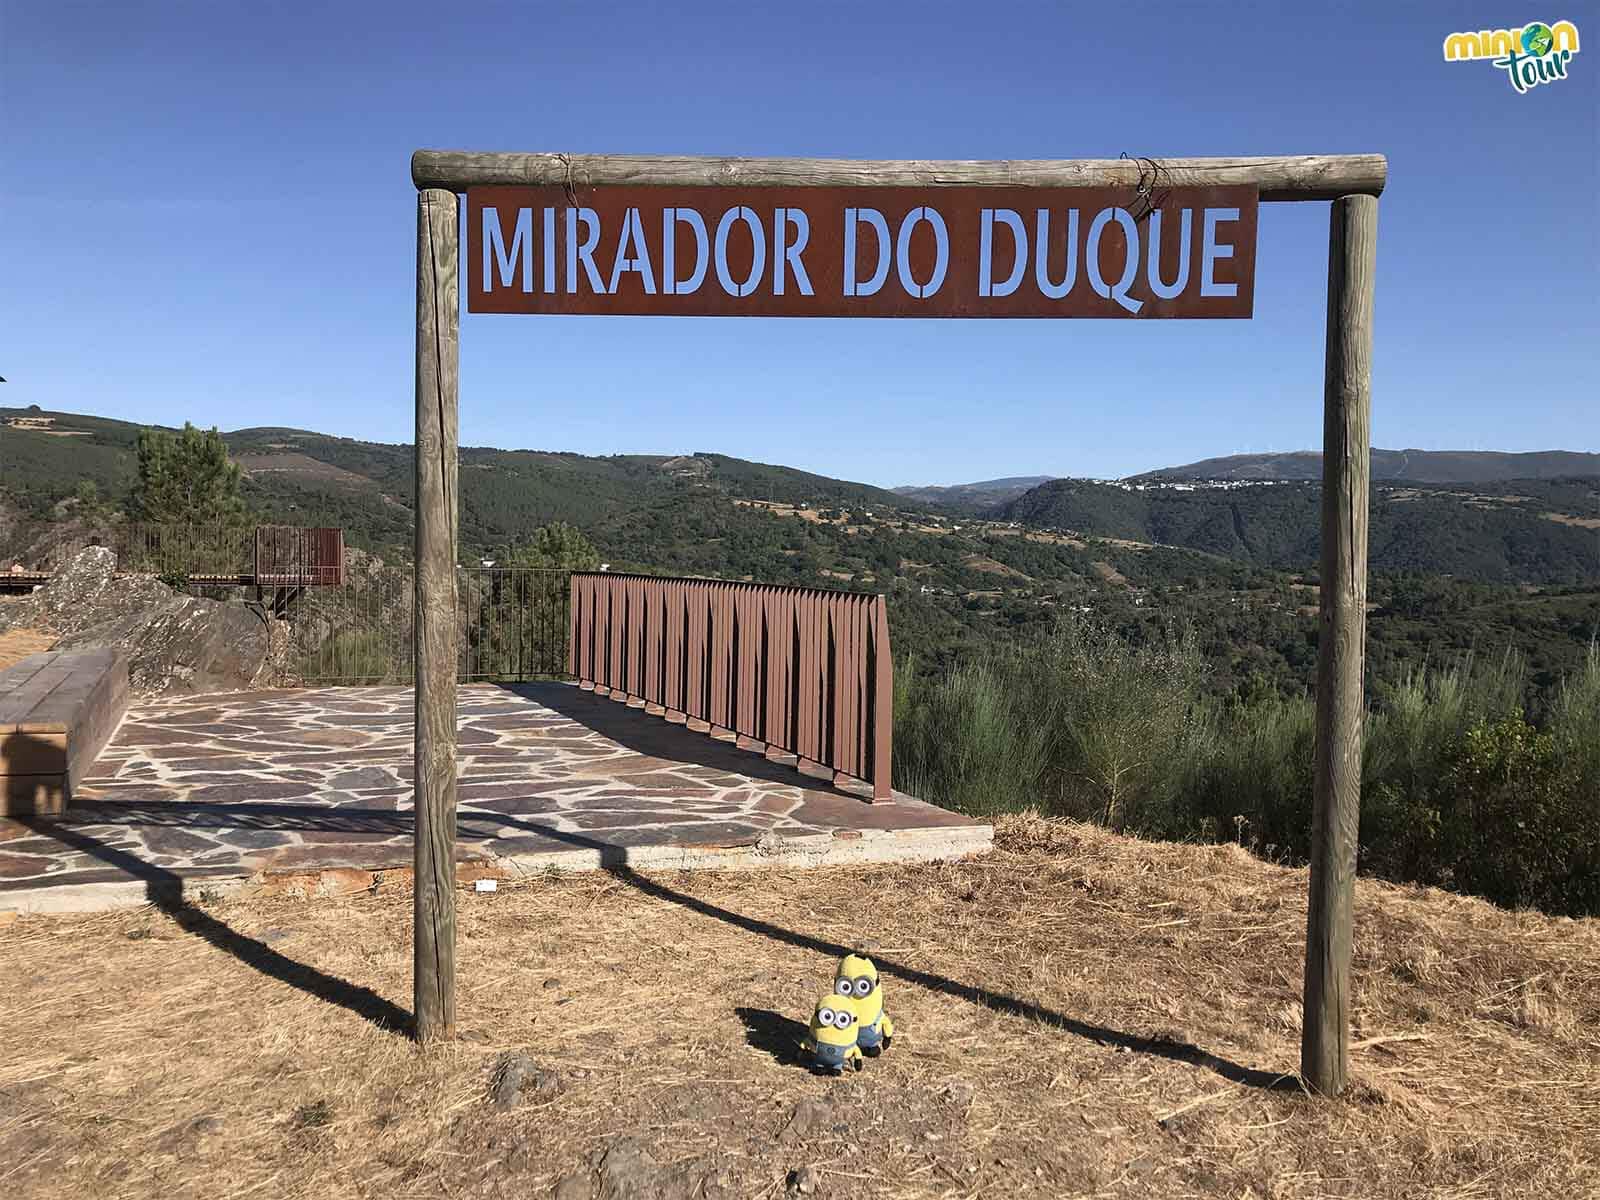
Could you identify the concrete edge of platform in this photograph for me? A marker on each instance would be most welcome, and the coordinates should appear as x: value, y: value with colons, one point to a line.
x: 842, y: 848
x: 48, y: 899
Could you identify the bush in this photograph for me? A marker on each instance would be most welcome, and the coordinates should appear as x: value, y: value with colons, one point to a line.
x: 1410, y: 737
x: 1123, y: 722
x: 1459, y: 789
x: 1078, y: 723
x: 355, y: 657
x: 1513, y: 825
x: 1252, y: 779
x: 959, y: 742
x: 1575, y: 723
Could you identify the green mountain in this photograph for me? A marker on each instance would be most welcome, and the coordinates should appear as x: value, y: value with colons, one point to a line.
x: 1414, y: 466
x: 1455, y: 567
x: 1518, y: 531
x: 301, y: 477
x: 714, y: 514
x: 985, y: 493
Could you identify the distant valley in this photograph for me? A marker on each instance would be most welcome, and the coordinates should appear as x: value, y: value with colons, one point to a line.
x: 1455, y: 565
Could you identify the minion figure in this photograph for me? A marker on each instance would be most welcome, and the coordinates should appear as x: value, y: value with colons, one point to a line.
x: 857, y: 978
x: 831, y: 1039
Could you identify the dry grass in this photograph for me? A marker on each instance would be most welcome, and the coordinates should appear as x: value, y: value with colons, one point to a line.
x: 17, y: 644
x: 1079, y: 1014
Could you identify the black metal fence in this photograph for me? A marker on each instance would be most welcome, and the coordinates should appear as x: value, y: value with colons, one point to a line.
x: 212, y: 555
x: 512, y: 625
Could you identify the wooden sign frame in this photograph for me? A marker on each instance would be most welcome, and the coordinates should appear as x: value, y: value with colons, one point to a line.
x: 1352, y: 183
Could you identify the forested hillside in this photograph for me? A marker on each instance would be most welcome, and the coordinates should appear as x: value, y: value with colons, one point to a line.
x: 1455, y: 569
x: 986, y: 493
x: 1518, y: 531
x: 1411, y: 466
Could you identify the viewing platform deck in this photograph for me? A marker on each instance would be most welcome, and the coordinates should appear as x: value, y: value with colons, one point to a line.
x: 311, y: 790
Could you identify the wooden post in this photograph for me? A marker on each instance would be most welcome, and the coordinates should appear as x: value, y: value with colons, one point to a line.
x: 1346, y: 470
x: 1352, y: 181
x: 1282, y: 177
x: 434, y: 911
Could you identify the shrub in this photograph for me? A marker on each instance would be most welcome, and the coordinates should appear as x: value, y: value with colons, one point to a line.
x: 1252, y: 779
x: 1078, y: 723
x: 1575, y: 723
x: 960, y: 742
x: 354, y: 657
x: 1459, y: 789
x: 1514, y: 828
x: 1122, y: 722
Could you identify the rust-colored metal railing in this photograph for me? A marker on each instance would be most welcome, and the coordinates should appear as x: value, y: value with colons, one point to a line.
x: 299, y: 556
x: 207, y: 554
x: 802, y: 670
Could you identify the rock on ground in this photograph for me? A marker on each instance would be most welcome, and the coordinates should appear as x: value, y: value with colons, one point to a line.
x: 517, y: 1075
x: 176, y: 643
x: 628, y: 1172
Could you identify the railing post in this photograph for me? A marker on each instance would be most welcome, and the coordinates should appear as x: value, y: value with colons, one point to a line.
x: 803, y: 671
x: 882, y: 702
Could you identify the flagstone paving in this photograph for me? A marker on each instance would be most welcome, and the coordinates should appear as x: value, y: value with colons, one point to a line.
x: 235, y: 785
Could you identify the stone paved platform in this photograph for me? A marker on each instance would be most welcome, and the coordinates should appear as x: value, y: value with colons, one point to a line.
x: 316, y: 785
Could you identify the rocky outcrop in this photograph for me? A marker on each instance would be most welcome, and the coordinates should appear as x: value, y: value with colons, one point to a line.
x: 177, y: 644
x: 84, y: 592
x: 46, y: 544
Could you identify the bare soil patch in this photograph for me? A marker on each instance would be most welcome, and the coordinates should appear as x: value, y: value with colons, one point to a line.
x: 44, y: 425
x: 1569, y: 519
x: 989, y: 566
x: 300, y: 466
x: 1079, y: 1014
x: 17, y: 644
x: 1110, y: 574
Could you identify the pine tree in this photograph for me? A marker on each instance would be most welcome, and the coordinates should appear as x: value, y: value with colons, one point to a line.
x: 557, y: 545
x: 187, y: 478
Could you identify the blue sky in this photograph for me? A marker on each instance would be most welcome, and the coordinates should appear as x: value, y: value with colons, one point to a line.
x: 206, y: 214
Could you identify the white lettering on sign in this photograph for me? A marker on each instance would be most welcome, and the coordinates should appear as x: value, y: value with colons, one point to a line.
x: 1130, y: 269
x: 1211, y: 250
x: 671, y: 219
x: 494, y: 243
x: 1153, y: 259
x: 549, y: 251
x: 853, y: 218
x: 1016, y: 244
x: 1025, y: 260
x: 758, y: 242
x: 638, y: 259
x: 583, y: 253
x: 1012, y: 220
x: 786, y: 254
x: 941, y: 252
x: 1049, y: 288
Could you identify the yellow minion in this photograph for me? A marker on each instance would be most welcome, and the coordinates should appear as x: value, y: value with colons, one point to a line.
x: 857, y: 978
x: 831, y: 1039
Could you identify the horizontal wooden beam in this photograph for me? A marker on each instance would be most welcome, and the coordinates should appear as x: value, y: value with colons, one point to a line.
x: 1284, y: 177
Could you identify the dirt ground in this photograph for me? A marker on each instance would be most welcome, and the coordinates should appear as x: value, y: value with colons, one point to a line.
x: 1079, y: 1014
x: 17, y: 644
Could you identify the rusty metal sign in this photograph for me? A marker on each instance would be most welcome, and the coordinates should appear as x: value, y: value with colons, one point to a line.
x: 862, y: 252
